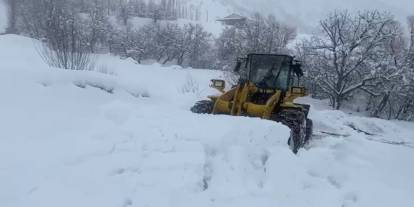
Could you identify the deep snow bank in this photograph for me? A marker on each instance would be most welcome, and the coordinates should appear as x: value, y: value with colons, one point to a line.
x: 124, y: 137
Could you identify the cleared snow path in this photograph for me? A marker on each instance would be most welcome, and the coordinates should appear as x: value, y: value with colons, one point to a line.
x: 124, y: 137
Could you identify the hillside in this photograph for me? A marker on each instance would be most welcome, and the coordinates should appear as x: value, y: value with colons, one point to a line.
x: 124, y: 136
x: 304, y: 14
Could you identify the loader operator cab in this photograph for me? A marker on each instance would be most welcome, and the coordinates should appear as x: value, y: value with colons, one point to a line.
x: 269, y: 71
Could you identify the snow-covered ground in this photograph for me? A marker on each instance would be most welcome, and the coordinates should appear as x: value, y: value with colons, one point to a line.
x: 124, y: 136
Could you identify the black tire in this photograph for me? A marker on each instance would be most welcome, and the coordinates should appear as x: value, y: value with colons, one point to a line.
x: 203, y: 107
x: 309, y: 130
x: 295, y: 120
x: 306, y: 108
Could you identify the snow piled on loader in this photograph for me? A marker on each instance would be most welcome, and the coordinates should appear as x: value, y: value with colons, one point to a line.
x: 124, y: 136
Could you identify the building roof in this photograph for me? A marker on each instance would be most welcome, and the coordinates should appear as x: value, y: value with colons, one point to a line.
x: 232, y: 17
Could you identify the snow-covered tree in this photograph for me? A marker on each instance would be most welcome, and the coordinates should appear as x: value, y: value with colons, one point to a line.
x: 347, y: 55
x: 168, y: 42
x: 384, y: 98
x: 96, y: 26
x: 199, y: 46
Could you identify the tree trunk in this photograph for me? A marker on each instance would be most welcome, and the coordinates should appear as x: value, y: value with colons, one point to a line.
x: 336, y: 102
x: 12, y: 17
x: 180, y: 59
x: 381, y: 105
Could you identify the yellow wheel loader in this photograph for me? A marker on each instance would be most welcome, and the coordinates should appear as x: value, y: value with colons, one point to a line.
x: 267, y: 88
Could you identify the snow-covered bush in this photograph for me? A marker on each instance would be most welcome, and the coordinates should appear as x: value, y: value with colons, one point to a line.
x: 64, y: 42
x: 167, y: 43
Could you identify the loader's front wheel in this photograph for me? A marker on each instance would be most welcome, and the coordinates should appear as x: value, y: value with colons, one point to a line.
x: 296, y: 121
x: 203, y: 107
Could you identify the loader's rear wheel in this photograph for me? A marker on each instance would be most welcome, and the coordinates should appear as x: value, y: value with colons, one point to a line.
x: 297, y: 122
x: 309, y: 130
x: 203, y: 107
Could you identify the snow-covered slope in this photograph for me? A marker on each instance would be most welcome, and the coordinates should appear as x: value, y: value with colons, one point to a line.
x: 3, y: 17
x: 124, y: 137
x: 305, y: 14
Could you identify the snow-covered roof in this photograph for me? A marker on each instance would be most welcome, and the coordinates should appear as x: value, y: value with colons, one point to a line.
x: 232, y: 17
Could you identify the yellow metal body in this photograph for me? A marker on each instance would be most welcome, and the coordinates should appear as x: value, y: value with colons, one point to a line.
x: 237, y: 101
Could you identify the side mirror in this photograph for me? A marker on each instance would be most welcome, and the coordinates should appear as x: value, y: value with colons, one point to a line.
x: 297, y: 68
x: 218, y: 84
x: 237, y: 68
x: 239, y: 63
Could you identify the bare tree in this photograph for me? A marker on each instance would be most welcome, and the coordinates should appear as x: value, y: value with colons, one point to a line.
x: 33, y: 17
x: 63, y: 44
x: 155, y: 11
x: 96, y: 26
x: 124, y: 12
x: 199, y: 47
x: 277, y: 35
